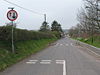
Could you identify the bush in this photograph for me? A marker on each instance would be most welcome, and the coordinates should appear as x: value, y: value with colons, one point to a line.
x: 22, y: 35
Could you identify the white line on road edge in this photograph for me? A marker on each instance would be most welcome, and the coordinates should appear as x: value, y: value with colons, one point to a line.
x: 64, y: 65
x: 94, y: 52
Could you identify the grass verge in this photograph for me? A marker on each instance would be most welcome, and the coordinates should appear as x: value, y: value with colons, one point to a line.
x: 23, y: 50
x: 95, y: 43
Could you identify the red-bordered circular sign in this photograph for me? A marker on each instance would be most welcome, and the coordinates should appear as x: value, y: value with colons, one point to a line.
x: 12, y: 15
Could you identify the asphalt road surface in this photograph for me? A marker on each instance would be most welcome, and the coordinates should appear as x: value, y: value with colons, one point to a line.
x: 61, y: 58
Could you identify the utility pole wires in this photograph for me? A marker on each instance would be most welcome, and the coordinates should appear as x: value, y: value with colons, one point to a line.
x: 23, y: 8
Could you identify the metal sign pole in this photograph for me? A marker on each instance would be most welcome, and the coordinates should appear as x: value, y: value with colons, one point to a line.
x: 13, y: 51
x: 12, y: 16
x: 13, y: 38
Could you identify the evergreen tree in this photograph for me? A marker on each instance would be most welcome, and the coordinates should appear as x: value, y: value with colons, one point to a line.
x: 45, y: 27
x: 56, y: 26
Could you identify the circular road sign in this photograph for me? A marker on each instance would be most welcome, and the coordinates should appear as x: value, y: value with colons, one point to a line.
x: 12, y: 15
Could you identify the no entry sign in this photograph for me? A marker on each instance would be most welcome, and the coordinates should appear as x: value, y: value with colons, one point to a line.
x: 12, y: 15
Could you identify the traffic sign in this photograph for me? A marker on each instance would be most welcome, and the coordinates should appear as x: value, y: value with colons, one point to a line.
x: 12, y: 15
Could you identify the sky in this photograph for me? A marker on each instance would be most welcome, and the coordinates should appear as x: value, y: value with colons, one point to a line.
x: 63, y: 11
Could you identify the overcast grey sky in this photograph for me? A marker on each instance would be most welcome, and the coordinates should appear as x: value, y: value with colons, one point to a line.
x: 64, y: 11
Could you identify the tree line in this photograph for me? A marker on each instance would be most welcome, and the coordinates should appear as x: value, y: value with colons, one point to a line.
x: 88, y: 20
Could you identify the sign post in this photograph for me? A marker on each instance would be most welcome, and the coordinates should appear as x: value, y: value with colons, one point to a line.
x: 12, y: 16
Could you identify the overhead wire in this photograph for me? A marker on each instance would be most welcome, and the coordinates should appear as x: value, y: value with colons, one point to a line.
x: 23, y: 8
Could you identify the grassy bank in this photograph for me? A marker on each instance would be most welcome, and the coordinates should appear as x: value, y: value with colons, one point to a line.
x: 23, y: 49
x: 96, y: 42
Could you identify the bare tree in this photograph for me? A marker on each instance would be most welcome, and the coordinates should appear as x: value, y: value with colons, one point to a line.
x: 89, y: 20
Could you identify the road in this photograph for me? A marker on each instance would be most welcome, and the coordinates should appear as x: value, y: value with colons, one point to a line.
x: 61, y: 58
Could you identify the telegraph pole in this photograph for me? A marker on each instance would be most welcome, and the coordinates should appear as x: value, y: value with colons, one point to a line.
x: 45, y: 18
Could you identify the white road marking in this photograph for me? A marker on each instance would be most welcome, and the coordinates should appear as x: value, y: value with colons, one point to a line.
x: 57, y: 44
x: 61, y: 44
x: 63, y: 62
x: 30, y: 62
x: 72, y: 44
x: 64, y: 65
x: 45, y: 62
x: 66, y: 44
x: 94, y: 52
